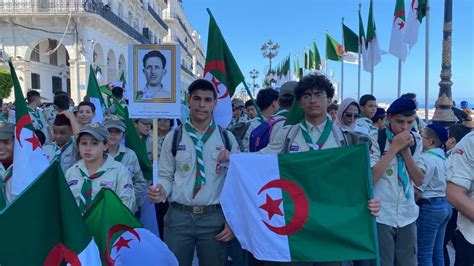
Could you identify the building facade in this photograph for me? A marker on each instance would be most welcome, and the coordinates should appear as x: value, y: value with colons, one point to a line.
x: 52, y: 43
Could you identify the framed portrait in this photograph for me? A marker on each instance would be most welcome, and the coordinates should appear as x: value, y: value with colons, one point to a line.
x: 154, y: 74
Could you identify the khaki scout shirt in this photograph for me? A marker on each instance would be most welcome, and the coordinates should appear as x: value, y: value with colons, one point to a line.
x: 149, y: 146
x: 397, y: 210
x: 366, y: 125
x: 461, y: 172
x: 8, y: 185
x: 39, y: 122
x: 130, y: 160
x: 299, y: 143
x: 67, y: 155
x: 177, y: 174
x: 434, y: 183
x: 116, y: 178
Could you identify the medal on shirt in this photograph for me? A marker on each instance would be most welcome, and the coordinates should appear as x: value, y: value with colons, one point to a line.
x: 186, y: 167
x: 389, y: 171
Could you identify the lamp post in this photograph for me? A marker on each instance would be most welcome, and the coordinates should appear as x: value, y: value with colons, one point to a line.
x: 270, y: 50
x: 444, y: 115
x: 253, y: 75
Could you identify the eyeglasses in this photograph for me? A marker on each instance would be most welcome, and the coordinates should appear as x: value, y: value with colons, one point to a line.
x: 318, y: 96
x: 349, y: 115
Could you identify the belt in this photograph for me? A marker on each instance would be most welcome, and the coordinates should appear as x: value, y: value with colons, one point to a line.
x: 196, y: 209
x: 430, y: 200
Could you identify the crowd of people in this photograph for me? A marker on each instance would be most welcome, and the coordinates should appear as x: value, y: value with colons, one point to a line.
x: 422, y: 172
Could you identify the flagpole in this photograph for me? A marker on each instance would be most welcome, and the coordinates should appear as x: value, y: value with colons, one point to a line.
x: 371, y: 58
x: 155, y: 151
x: 342, y: 62
x: 399, y: 88
x: 326, y: 60
x: 427, y: 59
x: 358, y: 58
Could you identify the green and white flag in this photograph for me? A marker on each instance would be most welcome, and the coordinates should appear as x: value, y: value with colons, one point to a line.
x: 373, y: 50
x: 95, y: 97
x: 302, y: 206
x: 333, y: 49
x: 414, y: 20
x: 317, y: 57
x: 44, y: 226
x: 122, y: 240
x: 398, y: 47
x: 29, y: 159
x: 351, y: 45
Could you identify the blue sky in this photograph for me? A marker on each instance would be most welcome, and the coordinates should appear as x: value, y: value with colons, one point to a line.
x: 247, y: 24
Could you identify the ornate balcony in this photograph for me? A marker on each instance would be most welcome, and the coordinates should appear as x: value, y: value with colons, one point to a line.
x: 185, y: 69
x: 157, y: 17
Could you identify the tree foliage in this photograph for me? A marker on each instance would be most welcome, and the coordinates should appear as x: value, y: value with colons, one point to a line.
x: 6, y: 83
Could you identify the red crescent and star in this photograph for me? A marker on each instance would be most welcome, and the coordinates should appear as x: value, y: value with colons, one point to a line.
x: 219, y: 66
x: 272, y: 206
x: 121, y: 243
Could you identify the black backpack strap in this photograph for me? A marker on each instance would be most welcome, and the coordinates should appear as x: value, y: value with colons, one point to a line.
x: 177, y: 135
x: 382, y: 140
x: 290, y: 137
x: 413, y: 147
x: 225, y: 138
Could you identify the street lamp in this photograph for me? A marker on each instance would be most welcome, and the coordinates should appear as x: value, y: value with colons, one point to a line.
x: 270, y: 50
x: 253, y: 75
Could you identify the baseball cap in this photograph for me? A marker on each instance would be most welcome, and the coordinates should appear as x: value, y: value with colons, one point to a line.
x: 288, y: 88
x: 6, y: 131
x: 115, y: 121
x: 97, y: 130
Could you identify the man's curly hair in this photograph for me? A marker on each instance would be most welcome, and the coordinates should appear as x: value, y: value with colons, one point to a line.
x: 314, y: 81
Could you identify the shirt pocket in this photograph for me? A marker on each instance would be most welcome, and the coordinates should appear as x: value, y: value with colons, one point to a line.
x: 213, y: 165
x: 184, y: 162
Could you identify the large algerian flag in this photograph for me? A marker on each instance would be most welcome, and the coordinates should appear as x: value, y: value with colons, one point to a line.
x: 351, y: 45
x: 302, y: 206
x: 29, y: 159
x: 317, y: 56
x: 373, y: 50
x: 122, y: 240
x: 222, y: 70
x: 333, y: 49
x: 95, y: 97
x: 362, y: 42
x: 44, y: 226
x: 398, y: 47
x: 414, y: 20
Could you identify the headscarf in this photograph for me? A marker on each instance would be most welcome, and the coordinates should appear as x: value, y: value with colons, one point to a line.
x: 343, y: 108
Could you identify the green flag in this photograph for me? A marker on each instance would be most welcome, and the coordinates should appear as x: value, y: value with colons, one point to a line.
x: 95, y: 97
x: 351, y: 40
x: 302, y: 206
x: 311, y: 59
x: 121, y: 238
x: 297, y: 68
x: 333, y: 49
x: 296, y: 114
x: 222, y: 70
x: 317, y: 57
x: 306, y: 60
x: 44, y: 226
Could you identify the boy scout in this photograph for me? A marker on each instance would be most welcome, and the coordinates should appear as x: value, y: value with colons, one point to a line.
x: 395, y: 169
x: 368, y: 107
x: 193, y: 180
x: 6, y: 162
x: 144, y: 126
x: 460, y: 193
x: 98, y: 170
x: 116, y: 127
x: 64, y: 147
x: 316, y: 131
x: 39, y: 122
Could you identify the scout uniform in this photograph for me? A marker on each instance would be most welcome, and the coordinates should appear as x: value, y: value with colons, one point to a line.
x: 399, y: 211
x: 128, y: 158
x: 39, y: 122
x: 254, y: 123
x: 147, y: 140
x: 49, y: 114
x: 112, y: 175
x: 66, y: 155
x: 365, y: 125
x: 460, y: 172
x: 6, y: 132
x: 195, y: 215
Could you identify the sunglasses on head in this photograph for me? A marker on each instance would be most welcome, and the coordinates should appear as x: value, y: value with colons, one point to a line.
x: 349, y: 115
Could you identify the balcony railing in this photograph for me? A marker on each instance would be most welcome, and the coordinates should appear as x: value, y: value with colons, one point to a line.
x: 183, y: 46
x: 99, y: 9
x: 185, y: 69
x: 32, y: 6
x: 157, y: 17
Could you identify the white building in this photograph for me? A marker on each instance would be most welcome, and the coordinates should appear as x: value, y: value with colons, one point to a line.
x: 52, y: 43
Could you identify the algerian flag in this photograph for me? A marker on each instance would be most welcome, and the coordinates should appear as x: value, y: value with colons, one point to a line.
x: 362, y: 42
x: 373, y: 50
x: 415, y: 18
x: 302, y: 206
x: 122, y: 240
x: 333, y: 49
x: 29, y: 159
x: 351, y: 45
x: 44, y: 226
x: 296, y: 65
x: 222, y: 70
x: 95, y: 97
x: 317, y: 57
x: 398, y: 47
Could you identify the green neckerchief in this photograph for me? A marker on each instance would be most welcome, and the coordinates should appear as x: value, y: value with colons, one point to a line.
x: 86, y: 191
x: 59, y: 151
x: 199, y: 145
x: 36, y: 115
x: 321, y: 140
x: 119, y: 157
x: 403, y: 179
x: 3, y: 180
x: 432, y: 152
x: 282, y: 112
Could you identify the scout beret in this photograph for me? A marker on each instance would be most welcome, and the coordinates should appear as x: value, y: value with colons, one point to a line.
x: 440, y: 131
x: 401, y: 105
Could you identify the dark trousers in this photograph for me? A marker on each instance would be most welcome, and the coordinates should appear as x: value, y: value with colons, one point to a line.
x: 464, y: 251
x: 160, y: 210
x: 449, y: 235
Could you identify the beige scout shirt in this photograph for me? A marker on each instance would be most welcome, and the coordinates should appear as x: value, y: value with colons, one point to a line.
x: 397, y: 210
x: 434, y: 183
x: 8, y: 195
x: 299, y: 143
x: 39, y: 122
x: 177, y: 174
x: 149, y: 146
x: 116, y: 178
x: 67, y: 155
x: 129, y: 159
x: 461, y: 172
x: 365, y: 125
